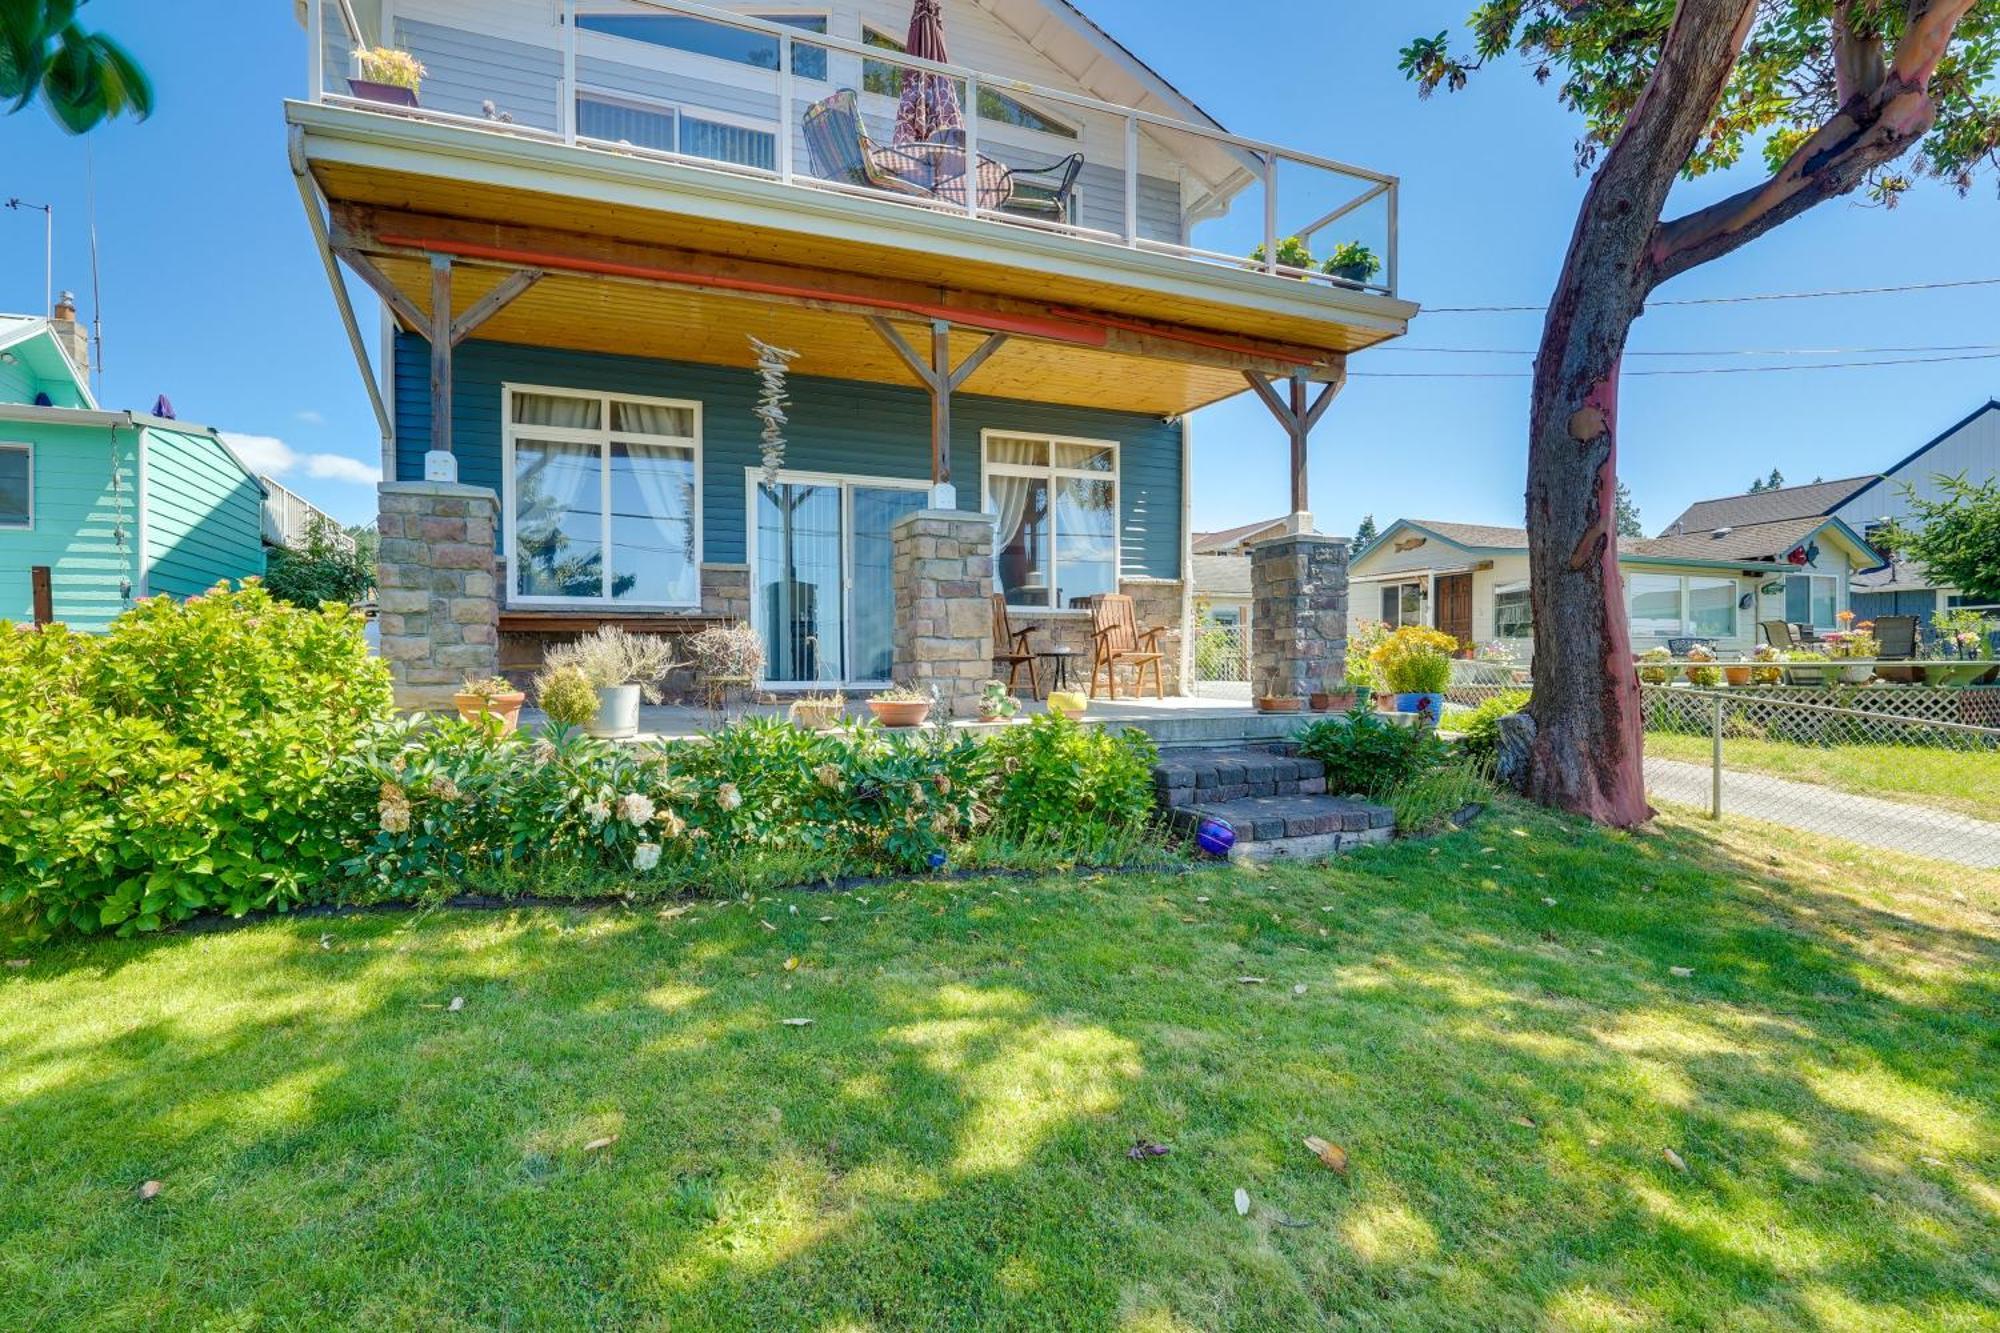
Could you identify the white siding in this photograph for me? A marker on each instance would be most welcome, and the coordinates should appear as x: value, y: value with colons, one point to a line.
x: 1973, y: 450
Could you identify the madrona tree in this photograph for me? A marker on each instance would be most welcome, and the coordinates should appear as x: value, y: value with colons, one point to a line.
x: 1836, y: 94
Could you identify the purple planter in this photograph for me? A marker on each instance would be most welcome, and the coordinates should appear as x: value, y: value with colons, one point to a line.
x: 390, y: 93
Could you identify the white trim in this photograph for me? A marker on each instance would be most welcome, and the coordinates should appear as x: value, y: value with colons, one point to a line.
x: 143, y: 584
x: 1051, y: 474
x: 27, y: 447
x: 846, y: 481
x: 1688, y: 629
x: 1840, y: 602
x: 604, y: 437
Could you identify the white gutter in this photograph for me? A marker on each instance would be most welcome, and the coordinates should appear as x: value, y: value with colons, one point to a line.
x: 143, y: 584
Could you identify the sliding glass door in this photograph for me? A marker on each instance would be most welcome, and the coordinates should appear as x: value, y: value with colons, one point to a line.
x: 824, y: 599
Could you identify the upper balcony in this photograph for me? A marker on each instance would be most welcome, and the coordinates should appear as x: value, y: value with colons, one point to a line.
x: 661, y: 124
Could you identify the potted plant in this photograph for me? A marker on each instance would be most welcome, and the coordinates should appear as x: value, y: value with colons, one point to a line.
x: 995, y: 703
x: 622, y: 668
x: 1852, y: 642
x: 817, y: 712
x: 900, y: 706
x: 1654, y: 668
x: 1702, y: 673
x: 1767, y: 671
x: 1068, y: 703
x: 1292, y: 253
x: 1362, y: 641
x: 1278, y: 703
x: 1353, y: 262
x: 1415, y: 663
x: 1737, y: 673
x: 491, y: 696
x: 1333, y: 701
x: 725, y: 657
x: 566, y: 697
x: 1805, y: 675
x: 387, y: 75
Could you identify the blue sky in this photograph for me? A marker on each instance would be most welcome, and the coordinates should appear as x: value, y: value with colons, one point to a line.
x: 213, y: 295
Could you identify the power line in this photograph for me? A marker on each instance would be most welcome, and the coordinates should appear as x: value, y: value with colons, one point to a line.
x: 1727, y: 351
x: 1699, y: 370
x: 1732, y: 300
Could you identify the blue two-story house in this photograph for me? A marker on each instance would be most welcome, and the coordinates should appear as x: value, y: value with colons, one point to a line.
x: 1004, y: 279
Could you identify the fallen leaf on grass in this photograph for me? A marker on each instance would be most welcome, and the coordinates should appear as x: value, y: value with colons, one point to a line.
x: 798, y: 1022
x: 1548, y: 902
x: 825, y: 919
x: 1681, y: 971
x: 1200, y: 899
x: 149, y: 1189
x: 326, y: 941
x: 1243, y: 1203
x: 596, y: 1144
x: 17, y: 962
x: 1332, y: 1155
x: 1524, y: 1122
x: 457, y: 1003
x: 1299, y: 989
x: 791, y: 964
x: 766, y: 925
x: 1673, y: 1159
x: 1251, y: 981
x: 1141, y: 1149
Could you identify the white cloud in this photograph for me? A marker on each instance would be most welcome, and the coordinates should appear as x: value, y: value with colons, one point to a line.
x: 269, y: 456
x: 312, y: 418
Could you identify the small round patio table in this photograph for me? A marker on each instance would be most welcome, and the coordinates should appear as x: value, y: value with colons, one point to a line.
x: 940, y: 169
x: 1059, y: 660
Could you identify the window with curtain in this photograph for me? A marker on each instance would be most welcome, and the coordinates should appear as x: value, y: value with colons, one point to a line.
x: 1056, y: 540
x: 1402, y: 604
x: 703, y: 37
x: 1812, y: 599
x: 1653, y: 605
x: 1711, y: 608
x: 1513, y: 614
x: 17, y: 486
x: 602, y: 504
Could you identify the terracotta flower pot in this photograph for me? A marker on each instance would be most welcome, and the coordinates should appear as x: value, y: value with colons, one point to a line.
x: 1332, y: 701
x: 815, y: 716
x: 506, y: 707
x: 1737, y: 675
x: 900, y: 713
x: 1273, y: 703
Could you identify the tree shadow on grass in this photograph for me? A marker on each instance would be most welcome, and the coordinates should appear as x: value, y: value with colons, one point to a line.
x: 944, y: 1145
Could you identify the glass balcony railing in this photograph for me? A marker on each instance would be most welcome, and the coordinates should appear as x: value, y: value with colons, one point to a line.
x: 782, y: 100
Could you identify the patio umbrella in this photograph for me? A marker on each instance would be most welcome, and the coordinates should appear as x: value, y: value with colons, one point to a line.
x: 930, y: 101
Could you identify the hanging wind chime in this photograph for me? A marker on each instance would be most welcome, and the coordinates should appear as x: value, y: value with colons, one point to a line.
x: 773, y: 363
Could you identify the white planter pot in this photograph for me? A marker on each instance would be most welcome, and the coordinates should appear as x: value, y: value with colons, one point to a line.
x: 617, y: 712
x: 1856, y: 675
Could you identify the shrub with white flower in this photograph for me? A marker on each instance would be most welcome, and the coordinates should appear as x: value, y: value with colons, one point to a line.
x: 635, y: 808
x: 597, y: 811
x: 672, y: 824
x: 728, y: 797
x: 646, y: 856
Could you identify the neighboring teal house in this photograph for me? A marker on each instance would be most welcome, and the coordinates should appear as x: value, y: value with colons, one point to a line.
x: 114, y: 505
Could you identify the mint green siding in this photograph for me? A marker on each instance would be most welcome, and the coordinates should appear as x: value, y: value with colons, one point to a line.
x: 85, y: 526
x: 204, y: 514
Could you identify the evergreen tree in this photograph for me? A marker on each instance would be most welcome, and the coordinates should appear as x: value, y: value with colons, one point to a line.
x: 1364, y: 536
x: 1628, y: 514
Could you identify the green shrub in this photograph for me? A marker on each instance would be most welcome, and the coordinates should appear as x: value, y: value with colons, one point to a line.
x: 1366, y: 755
x: 1423, y: 804
x: 1479, y: 733
x: 1058, y: 775
x: 566, y: 696
x: 324, y: 569
x: 1415, y: 660
x: 184, y: 761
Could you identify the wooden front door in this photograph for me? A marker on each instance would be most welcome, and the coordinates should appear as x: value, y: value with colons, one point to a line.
x: 1454, y: 607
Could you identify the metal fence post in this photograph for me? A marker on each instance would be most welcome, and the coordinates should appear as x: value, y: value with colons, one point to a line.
x: 1715, y: 785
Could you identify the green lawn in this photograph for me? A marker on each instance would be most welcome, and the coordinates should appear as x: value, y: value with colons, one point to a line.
x: 1965, y: 781
x: 945, y: 1145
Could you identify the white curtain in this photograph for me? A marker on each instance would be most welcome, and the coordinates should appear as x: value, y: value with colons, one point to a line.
x: 551, y: 409
x: 651, y: 419
x: 652, y: 524
x: 1008, y: 495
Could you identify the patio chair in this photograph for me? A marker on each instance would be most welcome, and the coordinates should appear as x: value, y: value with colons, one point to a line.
x: 1118, y: 641
x: 1042, y: 188
x: 1011, y: 646
x: 1779, y: 634
x: 1896, y: 641
x: 838, y: 144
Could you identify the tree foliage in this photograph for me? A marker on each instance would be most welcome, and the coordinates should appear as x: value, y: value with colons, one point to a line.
x: 322, y: 569
x: 1364, y: 536
x: 1957, y: 538
x: 1628, y: 514
x: 1774, y: 482
x: 84, y: 78
x: 1801, y: 63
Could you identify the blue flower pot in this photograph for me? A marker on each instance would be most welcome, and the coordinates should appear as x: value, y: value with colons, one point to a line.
x: 1431, y: 706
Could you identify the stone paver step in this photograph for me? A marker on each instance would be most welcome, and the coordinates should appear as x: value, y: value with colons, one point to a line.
x: 1299, y: 827
x: 1185, y: 777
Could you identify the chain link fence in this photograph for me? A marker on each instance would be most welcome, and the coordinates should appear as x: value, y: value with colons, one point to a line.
x: 1222, y: 661
x: 1885, y: 766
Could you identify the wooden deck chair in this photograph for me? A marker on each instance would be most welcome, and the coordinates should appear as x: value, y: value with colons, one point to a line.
x: 1011, y: 646
x: 1118, y: 641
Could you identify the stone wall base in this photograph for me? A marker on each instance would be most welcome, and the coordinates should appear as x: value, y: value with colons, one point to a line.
x: 942, y: 570
x: 438, y: 596
x: 1298, y: 618
x: 1154, y: 602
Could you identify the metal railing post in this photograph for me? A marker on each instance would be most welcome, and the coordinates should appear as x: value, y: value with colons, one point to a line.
x: 1715, y: 780
x: 971, y: 176
x: 569, y: 72
x: 1390, y: 274
x: 784, y: 108
x: 1131, y: 181
x: 316, y: 49
x: 1270, y: 212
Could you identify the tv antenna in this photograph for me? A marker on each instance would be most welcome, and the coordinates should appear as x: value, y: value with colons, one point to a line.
x: 48, y: 213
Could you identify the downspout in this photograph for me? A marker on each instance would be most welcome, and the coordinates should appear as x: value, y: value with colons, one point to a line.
x: 309, y: 196
x: 143, y: 538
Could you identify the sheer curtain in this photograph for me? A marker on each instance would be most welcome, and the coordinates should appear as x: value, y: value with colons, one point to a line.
x: 1008, y: 495
x: 560, y: 410
x: 652, y: 524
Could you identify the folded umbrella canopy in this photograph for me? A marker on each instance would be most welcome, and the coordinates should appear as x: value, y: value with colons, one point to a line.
x: 930, y: 101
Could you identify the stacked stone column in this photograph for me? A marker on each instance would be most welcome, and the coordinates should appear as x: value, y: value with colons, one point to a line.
x: 942, y: 572
x: 437, y: 589
x: 1298, y: 614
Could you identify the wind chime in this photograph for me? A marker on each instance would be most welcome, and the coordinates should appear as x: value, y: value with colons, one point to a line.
x: 773, y: 364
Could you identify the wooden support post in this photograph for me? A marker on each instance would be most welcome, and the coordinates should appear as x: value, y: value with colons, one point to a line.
x: 1298, y: 415
x: 44, y: 597
x: 441, y: 344
x: 937, y: 375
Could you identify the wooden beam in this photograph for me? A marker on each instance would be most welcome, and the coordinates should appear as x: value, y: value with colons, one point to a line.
x: 917, y: 364
x: 41, y: 595
x: 491, y: 304
x: 377, y: 281
x: 941, y: 381
x: 441, y: 342
x: 1301, y: 432
x: 966, y: 368
x: 1298, y: 416
x: 1271, y: 400
x: 387, y: 231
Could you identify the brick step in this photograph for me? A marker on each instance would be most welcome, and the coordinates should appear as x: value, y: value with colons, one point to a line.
x: 1187, y: 777
x: 1294, y: 828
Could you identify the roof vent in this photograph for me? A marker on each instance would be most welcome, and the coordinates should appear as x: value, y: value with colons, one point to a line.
x: 1719, y: 533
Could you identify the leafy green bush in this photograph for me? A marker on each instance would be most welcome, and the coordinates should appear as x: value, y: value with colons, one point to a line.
x: 1056, y: 774
x: 185, y: 761
x: 566, y: 696
x: 324, y: 569
x: 1368, y: 756
x: 1479, y: 734
x: 1415, y: 660
x: 1423, y: 804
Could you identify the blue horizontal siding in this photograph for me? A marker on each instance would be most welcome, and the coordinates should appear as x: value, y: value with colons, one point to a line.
x: 846, y: 426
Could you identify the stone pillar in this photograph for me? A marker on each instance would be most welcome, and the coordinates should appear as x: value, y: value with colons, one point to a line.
x: 1298, y: 614
x: 437, y: 589
x: 942, y: 571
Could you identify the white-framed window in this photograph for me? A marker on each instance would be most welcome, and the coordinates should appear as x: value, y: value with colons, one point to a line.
x: 1402, y: 604
x: 1812, y: 599
x: 1666, y: 606
x: 1513, y: 613
x: 603, y: 498
x: 643, y: 122
x: 17, y: 485
x: 1055, y: 543
x: 886, y: 80
x: 704, y: 37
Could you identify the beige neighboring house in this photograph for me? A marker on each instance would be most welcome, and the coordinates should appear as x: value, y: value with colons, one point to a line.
x: 1471, y: 581
x: 1221, y: 566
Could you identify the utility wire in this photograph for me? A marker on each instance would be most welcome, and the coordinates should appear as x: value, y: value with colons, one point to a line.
x: 1699, y: 370
x: 1727, y: 351
x: 1732, y: 300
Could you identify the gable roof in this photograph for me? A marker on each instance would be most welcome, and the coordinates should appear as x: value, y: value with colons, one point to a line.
x: 1787, y: 502
x: 1474, y: 536
x: 1992, y: 405
x: 1222, y: 575
x: 1215, y: 543
x: 1751, y: 541
x: 32, y: 339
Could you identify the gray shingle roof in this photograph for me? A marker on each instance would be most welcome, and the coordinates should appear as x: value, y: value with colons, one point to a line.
x: 1751, y: 541
x: 1476, y: 534
x: 1216, y: 542
x: 1738, y: 511
x: 1222, y: 575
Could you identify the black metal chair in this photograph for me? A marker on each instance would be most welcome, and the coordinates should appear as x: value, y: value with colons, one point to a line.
x: 1680, y: 647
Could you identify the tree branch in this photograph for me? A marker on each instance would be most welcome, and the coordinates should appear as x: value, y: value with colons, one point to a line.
x: 1870, y: 128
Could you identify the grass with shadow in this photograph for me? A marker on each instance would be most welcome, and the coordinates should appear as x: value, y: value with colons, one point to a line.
x: 1490, y: 1023
x: 1964, y: 780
